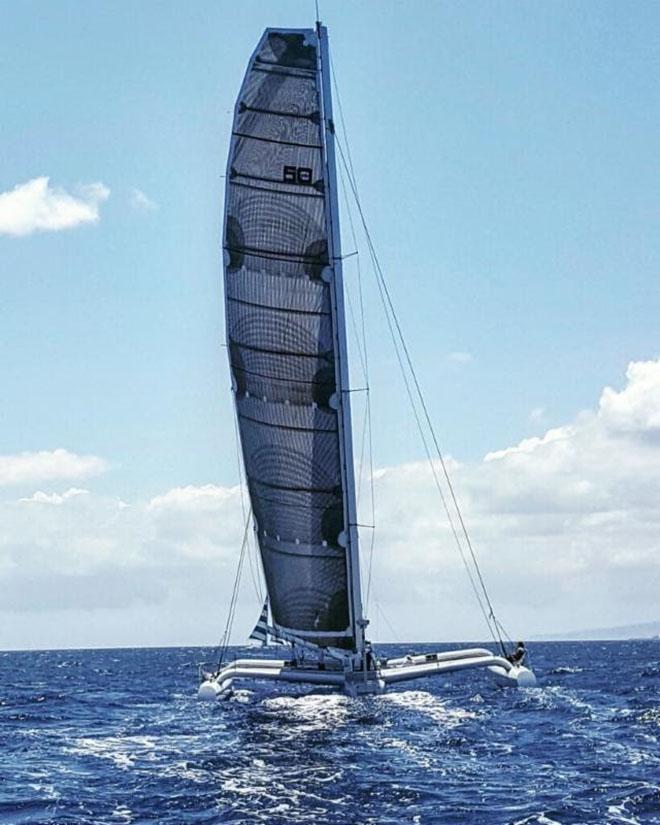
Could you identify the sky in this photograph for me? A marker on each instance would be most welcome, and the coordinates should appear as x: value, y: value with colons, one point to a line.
x: 506, y: 156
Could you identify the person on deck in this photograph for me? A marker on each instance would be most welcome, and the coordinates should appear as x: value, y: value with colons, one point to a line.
x: 518, y: 655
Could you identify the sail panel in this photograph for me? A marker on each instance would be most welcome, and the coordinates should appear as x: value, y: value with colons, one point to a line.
x: 280, y: 106
x: 282, y: 339
x: 300, y: 582
x: 280, y: 293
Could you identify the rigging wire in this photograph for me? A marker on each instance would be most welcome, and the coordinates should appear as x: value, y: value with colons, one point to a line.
x: 223, y: 644
x: 363, y: 439
x: 355, y: 332
x: 347, y: 162
x: 345, y: 168
x: 367, y: 427
x: 363, y: 442
x: 365, y: 360
x: 370, y: 452
x: 256, y: 582
x: 344, y: 130
x: 368, y: 419
x: 367, y: 430
x: 383, y: 615
x: 397, y: 336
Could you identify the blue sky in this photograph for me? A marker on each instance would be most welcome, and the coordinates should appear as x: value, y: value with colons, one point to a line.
x: 507, y: 160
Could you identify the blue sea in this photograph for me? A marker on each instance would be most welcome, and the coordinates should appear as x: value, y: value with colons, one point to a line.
x: 117, y: 736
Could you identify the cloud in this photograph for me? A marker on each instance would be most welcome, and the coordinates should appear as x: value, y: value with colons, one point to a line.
x: 141, y: 202
x: 566, y: 527
x: 197, y: 522
x: 37, y: 206
x: 209, y: 497
x: 460, y: 358
x: 54, y: 498
x: 184, y: 541
x: 33, y: 468
x: 537, y: 415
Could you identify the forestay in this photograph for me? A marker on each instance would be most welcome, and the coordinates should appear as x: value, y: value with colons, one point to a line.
x: 286, y: 341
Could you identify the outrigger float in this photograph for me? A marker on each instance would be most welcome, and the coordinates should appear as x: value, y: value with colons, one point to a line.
x: 286, y: 339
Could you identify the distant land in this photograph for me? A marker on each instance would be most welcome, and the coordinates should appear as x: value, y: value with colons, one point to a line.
x: 643, y: 630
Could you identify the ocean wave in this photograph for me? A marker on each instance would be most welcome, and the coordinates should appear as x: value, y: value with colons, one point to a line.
x: 127, y: 742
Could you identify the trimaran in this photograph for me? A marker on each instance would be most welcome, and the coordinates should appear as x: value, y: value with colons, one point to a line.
x: 286, y: 338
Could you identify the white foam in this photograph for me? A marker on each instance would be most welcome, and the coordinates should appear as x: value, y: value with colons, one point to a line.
x: 619, y: 814
x: 420, y: 757
x: 312, y: 711
x: 540, y: 818
x: 122, y: 751
x: 123, y: 813
x: 423, y: 702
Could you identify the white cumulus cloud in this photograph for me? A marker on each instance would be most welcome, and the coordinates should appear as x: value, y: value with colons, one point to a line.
x: 36, y: 206
x: 55, y: 498
x: 197, y: 521
x: 79, y: 550
x: 37, y: 467
x: 567, y: 525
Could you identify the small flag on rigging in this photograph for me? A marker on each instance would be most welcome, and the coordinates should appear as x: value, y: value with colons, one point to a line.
x: 260, y: 632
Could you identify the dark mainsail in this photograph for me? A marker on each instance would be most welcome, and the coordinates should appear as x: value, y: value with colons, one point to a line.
x: 287, y: 340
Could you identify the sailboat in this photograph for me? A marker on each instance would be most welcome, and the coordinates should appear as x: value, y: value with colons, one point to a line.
x: 287, y: 345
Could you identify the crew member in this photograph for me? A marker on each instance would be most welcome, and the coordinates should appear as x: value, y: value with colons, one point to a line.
x: 518, y: 655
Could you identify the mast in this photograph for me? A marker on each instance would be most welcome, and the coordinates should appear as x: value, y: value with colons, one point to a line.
x: 341, y: 347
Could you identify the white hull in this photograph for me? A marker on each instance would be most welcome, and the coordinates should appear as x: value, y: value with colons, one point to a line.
x: 358, y: 683
x: 517, y: 676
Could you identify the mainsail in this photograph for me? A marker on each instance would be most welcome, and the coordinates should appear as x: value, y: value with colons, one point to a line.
x: 287, y: 340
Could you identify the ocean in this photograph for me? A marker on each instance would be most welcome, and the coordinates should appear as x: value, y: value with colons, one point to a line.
x: 117, y: 736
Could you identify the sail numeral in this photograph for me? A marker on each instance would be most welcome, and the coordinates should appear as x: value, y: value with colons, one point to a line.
x: 301, y: 175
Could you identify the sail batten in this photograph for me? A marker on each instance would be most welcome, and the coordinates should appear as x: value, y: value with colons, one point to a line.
x: 286, y: 340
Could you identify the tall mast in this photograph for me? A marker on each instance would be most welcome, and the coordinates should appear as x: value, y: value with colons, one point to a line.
x: 341, y: 348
